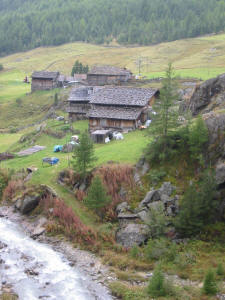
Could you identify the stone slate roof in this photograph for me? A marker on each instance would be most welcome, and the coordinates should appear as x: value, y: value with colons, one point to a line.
x: 112, y: 112
x: 108, y: 70
x: 45, y: 75
x: 82, y: 94
x: 122, y: 96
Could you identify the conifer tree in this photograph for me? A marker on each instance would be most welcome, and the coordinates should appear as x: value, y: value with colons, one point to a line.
x: 97, y: 197
x: 166, y: 117
x: 209, y: 285
x: 156, y: 286
x: 83, y: 155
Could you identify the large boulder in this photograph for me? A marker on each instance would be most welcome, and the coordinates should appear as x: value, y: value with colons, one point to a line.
x: 29, y: 203
x: 207, y: 96
x: 132, y: 234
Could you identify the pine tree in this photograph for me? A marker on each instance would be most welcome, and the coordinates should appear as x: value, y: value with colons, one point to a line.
x: 209, y: 285
x: 166, y: 117
x: 156, y: 286
x: 97, y: 197
x: 83, y: 155
x: 199, y: 206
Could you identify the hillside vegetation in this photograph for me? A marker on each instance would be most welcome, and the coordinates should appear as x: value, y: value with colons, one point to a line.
x: 37, y: 23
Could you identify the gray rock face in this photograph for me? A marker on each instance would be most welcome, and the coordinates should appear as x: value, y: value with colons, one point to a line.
x: 122, y: 207
x: 151, y: 196
x: 220, y: 173
x: 166, y: 189
x: 216, y: 128
x: 132, y: 234
x: 207, y: 96
x: 27, y: 204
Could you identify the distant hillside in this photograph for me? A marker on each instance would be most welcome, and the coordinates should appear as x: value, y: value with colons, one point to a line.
x: 27, y: 24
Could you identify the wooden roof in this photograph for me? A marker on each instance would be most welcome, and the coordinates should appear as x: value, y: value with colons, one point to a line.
x: 112, y: 112
x: 108, y: 70
x: 123, y: 96
x: 45, y: 75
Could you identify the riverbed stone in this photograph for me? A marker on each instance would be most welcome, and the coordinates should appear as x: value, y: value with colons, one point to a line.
x: 29, y: 203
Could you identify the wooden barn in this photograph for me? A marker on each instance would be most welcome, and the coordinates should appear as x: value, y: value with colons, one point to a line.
x: 42, y: 80
x: 108, y: 75
x: 120, y: 108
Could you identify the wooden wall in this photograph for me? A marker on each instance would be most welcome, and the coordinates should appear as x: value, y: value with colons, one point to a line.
x: 43, y: 84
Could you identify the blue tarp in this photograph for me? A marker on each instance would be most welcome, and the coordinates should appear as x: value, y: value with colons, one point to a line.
x: 58, y: 148
x: 50, y: 160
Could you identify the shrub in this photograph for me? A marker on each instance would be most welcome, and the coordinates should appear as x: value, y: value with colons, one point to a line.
x: 70, y: 224
x: 18, y: 101
x: 1, y: 67
x: 198, y: 137
x: 56, y: 99
x: 12, y: 188
x: 134, y: 251
x: 3, y: 181
x: 156, y: 176
x: 220, y: 270
x: 209, y: 285
x: 114, y: 177
x: 199, y: 206
x: 160, y: 249
x: 157, y: 221
x: 156, y: 286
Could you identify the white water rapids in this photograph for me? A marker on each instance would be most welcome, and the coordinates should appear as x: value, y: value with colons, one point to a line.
x: 35, y: 271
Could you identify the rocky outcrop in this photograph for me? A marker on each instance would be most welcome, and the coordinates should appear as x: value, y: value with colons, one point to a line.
x: 220, y: 174
x: 215, y: 123
x: 132, y: 223
x: 26, y: 204
x: 207, y: 96
x: 132, y: 234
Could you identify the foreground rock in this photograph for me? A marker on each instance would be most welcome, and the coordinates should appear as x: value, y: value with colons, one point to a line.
x: 207, y: 96
x: 132, y: 224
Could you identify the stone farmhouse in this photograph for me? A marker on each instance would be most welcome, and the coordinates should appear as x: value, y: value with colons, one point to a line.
x: 120, y: 108
x: 42, y: 80
x: 108, y: 75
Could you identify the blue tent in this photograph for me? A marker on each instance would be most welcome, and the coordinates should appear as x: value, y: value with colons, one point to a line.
x: 58, y: 148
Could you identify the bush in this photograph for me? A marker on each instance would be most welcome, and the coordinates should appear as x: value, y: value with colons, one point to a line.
x: 1, y: 67
x: 18, y: 101
x: 157, y: 221
x: 209, y: 285
x: 199, y: 206
x: 160, y: 249
x: 134, y: 251
x: 158, y: 286
x: 220, y: 270
x: 156, y: 176
x: 3, y: 182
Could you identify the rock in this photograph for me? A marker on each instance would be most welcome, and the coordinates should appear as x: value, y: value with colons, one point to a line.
x: 166, y: 189
x: 2, y: 245
x: 151, y: 196
x: 29, y: 203
x: 155, y: 206
x: 37, y: 231
x: 220, y: 173
x: 31, y: 272
x: 216, y: 145
x: 125, y: 218
x: 132, y: 234
x: 137, y: 178
x: 145, y: 168
x: 144, y: 215
x: 206, y: 97
x: 122, y: 207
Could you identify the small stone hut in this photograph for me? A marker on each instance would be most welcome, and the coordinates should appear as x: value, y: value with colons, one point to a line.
x: 120, y: 108
x: 42, y: 80
x: 108, y: 75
